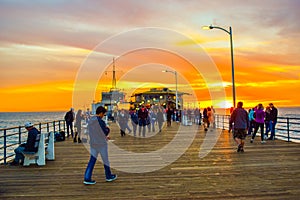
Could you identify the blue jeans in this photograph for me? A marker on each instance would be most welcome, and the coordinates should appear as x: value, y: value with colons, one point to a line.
x: 252, y: 125
x: 268, y: 127
x: 272, y: 128
x: 94, y: 154
x: 19, y: 155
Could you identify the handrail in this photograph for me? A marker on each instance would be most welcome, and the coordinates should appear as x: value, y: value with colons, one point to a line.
x: 287, y: 128
x: 14, y: 136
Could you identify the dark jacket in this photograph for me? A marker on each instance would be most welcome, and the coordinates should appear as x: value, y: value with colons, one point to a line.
x: 143, y: 116
x: 273, y: 114
x: 69, y: 117
x: 97, y: 132
x: 134, y: 117
x: 33, y: 139
x: 240, y: 118
x: 267, y: 117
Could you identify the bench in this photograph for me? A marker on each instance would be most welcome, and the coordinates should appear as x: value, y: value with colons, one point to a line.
x: 45, y: 151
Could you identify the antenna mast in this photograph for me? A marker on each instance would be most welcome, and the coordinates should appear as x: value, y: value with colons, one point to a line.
x: 114, y: 83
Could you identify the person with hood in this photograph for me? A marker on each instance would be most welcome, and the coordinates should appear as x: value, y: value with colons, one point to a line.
x: 98, y: 137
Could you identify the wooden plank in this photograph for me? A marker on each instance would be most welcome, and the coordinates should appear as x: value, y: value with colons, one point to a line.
x: 263, y: 171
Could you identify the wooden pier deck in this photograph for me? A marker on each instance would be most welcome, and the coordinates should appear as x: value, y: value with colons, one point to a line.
x: 263, y: 171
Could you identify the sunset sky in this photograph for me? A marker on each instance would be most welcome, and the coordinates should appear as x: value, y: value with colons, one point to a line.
x: 49, y: 48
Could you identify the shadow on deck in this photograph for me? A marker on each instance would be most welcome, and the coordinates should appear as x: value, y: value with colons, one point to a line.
x: 263, y: 171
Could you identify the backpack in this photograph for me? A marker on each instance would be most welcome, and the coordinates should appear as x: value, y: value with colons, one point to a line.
x: 59, y: 136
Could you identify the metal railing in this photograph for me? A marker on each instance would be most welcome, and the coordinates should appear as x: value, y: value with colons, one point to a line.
x: 287, y: 128
x: 11, y: 138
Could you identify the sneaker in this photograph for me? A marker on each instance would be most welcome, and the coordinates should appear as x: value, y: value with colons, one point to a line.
x: 263, y: 142
x: 251, y: 141
x: 112, y: 178
x: 265, y: 137
x: 91, y: 182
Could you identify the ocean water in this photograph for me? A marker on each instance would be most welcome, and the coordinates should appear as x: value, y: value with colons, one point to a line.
x: 292, y: 112
x: 13, y: 119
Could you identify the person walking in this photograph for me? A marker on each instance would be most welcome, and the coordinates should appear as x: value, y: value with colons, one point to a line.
x: 240, y: 119
x: 78, y: 120
x: 153, y: 119
x: 87, y: 115
x: 169, y: 112
x: 98, y: 136
x: 31, y: 145
x: 211, y: 117
x: 134, y: 120
x: 205, y: 119
x: 251, y: 121
x: 230, y: 126
x: 127, y: 116
x: 259, y: 122
x: 197, y: 113
x: 273, y: 120
x: 142, y: 116
x: 122, y: 120
x: 160, y: 118
x: 69, y: 118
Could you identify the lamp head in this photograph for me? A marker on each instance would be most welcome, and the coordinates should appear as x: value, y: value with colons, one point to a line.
x: 207, y: 27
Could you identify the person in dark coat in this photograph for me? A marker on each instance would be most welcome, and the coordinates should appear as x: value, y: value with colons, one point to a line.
x: 170, y: 112
x: 142, y: 115
x: 69, y: 118
x: 273, y: 120
x: 31, y: 145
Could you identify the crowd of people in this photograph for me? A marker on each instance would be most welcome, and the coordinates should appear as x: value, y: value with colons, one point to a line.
x: 242, y: 123
x: 248, y: 123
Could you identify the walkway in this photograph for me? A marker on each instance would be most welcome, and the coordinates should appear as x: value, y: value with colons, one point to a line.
x: 263, y: 171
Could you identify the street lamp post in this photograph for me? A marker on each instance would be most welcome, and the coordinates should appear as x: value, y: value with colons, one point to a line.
x: 176, y: 97
x: 232, y: 62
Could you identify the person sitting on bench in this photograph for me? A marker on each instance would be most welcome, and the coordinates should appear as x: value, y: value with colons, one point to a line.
x: 31, y: 145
